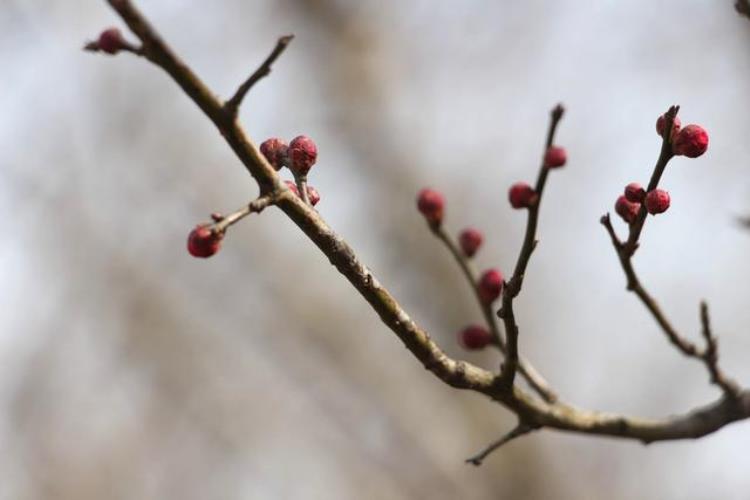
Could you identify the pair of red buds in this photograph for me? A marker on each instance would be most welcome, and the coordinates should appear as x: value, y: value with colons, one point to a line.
x: 691, y: 141
x: 629, y: 204
x: 299, y: 156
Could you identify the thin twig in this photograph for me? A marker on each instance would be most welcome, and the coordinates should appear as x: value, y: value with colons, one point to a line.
x: 534, y: 378
x: 520, y: 430
x: 254, y: 207
x: 232, y: 105
x: 634, y: 285
x: 625, y: 251
x: 513, y: 287
x: 126, y: 46
x: 710, y: 356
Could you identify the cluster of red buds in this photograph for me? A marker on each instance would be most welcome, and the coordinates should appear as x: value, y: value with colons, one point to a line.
x: 431, y: 204
x: 299, y: 157
x: 521, y: 194
x: 489, y: 286
x: 691, y: 141
x: 628, y: 205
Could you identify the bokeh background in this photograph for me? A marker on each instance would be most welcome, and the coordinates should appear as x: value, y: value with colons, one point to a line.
x: 130, y: 370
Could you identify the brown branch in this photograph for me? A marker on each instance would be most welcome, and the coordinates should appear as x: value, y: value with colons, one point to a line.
x: 634, y: 285
x: 457, y: 374
x: 520, y: 430
x: 513, y: 287
x: 710, y: 356
x: 527, y: 370
x: 254, y: 207
x: 232, y: 105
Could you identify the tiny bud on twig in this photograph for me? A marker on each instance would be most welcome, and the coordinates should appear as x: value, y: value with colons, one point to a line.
x: 275, y: 151
x: 203, y: 242
x: 470, y: 240
x: 626, y: 209
x: 474, y: 337
x: 555, y: 157
x: 432, y: 205
x: 657, y: 201
x: 660, y: 125
x: 521, y: 195
x: 692, y: 141
x: 301, y: 155
x: 490, y: 285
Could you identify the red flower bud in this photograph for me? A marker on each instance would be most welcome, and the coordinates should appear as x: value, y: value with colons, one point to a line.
x: 660, y: 126
x: 657, y: 201
x: 521, y: 195
x: 313, y: 195
x: 635, y: 193
x: 627, y: 209
x: 301, y: 155
x: 203, y: 242
x: 111, y: 41
x: 274, y: 149
x: 555, y: 157
x: 692, y: 141
x: 470, y: 240
x: 474, y: 337
x: 490, y: 285
x: 432, y: 204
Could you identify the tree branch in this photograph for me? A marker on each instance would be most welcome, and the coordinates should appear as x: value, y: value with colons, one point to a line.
x: 459, y: 374
x: 513, y: 287
x: 625, y: 251
x: 232, y: 105
x: 527, y: 370
x: 254, y: 207
x: 710, y: 356
x: 634, y: 285
x: 520, y: 430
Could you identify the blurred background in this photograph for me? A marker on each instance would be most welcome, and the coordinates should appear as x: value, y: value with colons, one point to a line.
x: 130, y: 370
